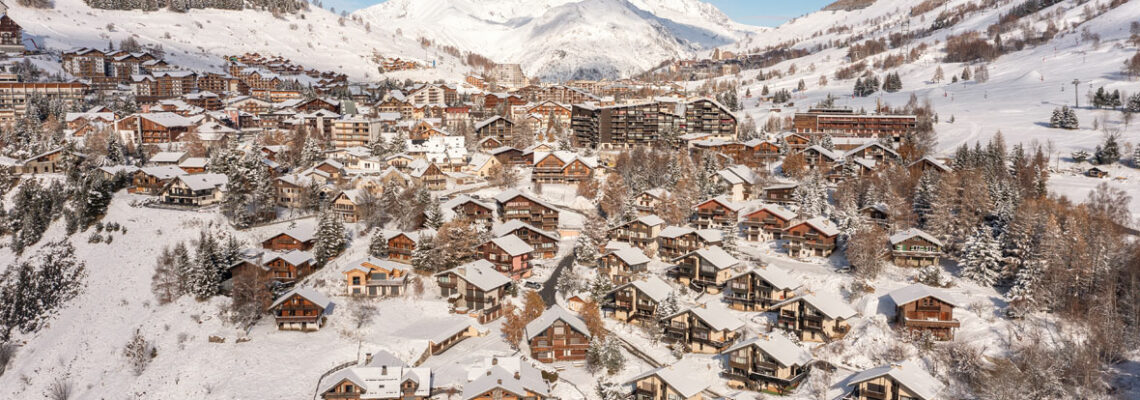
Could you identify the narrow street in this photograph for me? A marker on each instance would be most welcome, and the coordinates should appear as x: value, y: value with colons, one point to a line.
x: 548, y: 291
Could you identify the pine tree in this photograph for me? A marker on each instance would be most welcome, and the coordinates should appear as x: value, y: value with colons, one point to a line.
x: 588, y: 242
x: 600, y: 286
x: 330, y: 237
x: 424, y: 256
x: 669, y: 306
x: 378, y: 246
x: 310, y: 154
x: 982, y: 257
x: 801, y: 86
x: 1064, y: 118
x: 1133, y: 104
x: 924, y: 194
x: 728, y: 239
x: 966, y: 73
x: 1115, y: 100
x: 827, y: 142
x: 433, y: 216
x: 939, y: 76
x: 205, y: 276
x: 1109, y: 153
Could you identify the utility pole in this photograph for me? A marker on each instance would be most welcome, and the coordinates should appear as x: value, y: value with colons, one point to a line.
x: 1076, y: 93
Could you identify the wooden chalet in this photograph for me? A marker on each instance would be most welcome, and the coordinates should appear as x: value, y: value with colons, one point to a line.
x: 510, y: 256
x: 766, y: 223
x: 676, y: 241
x: 821, y: 159
x: 402, y: 244
x: 509, y: 156
x: 545, y: 243
x: 814, y: 318
x: 301, y: 309
x: 647, y: 201
x: 929, y: 164
x: 795, y: 142
x: 195, y: 190
x: 475, y: 288
x: 374, y: 277
x: 500, y: 128
x: 811, y: 238
x: 152, y: 181
x: 680, y: 381
x: 876, y: 151
x: 292, y: 239
x: 561, y: 167
x: 348, y: 205
x: 770, y: 363
x: 783, y: 194
x: 506, y: 378
x: 291, y: 265
x: 641, y: 232
x: 715, y: 213
x: 920, y: 308
x: 703, y: 330
x: 893, y: 382
x: 558, y: 335
x: 757, y: 289
x: 471, y: 209
x: 623, y: 266
x: 915, y: 248
x: 515, y: 205
x: 876, y: 214
x: 383, y: 376
x: 706, y: 269
x: 637, y: 301
x: 161, y: 127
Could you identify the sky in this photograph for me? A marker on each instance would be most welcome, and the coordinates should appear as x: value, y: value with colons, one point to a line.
x: 752, y: 12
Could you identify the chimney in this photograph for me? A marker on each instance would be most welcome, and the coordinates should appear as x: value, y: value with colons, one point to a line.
x: 517, y: 377
x: 494, y: 360
x: 896, y: 366
x: 368, y: 358
x: 384, y: 370
x: 500, y: 381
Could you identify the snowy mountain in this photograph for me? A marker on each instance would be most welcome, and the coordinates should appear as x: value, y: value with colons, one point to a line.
x: 561, y: 39
x: 200, y: 38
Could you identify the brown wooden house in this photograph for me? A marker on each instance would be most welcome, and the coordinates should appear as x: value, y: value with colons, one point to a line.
x: 703, y: 330
x: 292, y: 239
x: 766, y: 223
x: 759, y: 288
x: 401, y: 245
x: 374, y: 277
x: 920, y: 308
x: 641, y: 232
x: 624, y: 265
x: 676, y: 241
x: 301, y: 309
x: 510, y: 255
x: 558, y: 335
x: 706, y: 269
x: 811, y: 238
x: 814, y: 318
x: 715, y: 213
x: 545, y: 243
x: 152, y: 180
x: 517, y: 205
x: 561, y: 167
x: 905, y: 381
x: 769, y: 363
x: 475, y: 288
x: 637, y: 301
x: 915, y: 248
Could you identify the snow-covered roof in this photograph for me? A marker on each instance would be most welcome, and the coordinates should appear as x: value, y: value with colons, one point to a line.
x: 784, y: 351
x: 779, y: 211
x: 499, y: 372
x: 488, y: 121
x: 715, y: 255
x: 824, y: 152
x: 821, y: 224
x: 194, y: 162
x: 167, y: 157
x: 552, y: 314
x: 873, y: 144
x: 512, y: 245
x: 829, y: 305
x: 723, y: 200
x: 933, y: 161
x: 168, y: 119
x: 777, y: 277
x: 367, y: 264
x: 294, y: 257
x: 718, y: 318
x: 671, y: 232
x: 509, y: 194
x: 919, y: 291
x: 631, y: 256
x: 310, y: 294
x: 907, y: 374
x: 480, y: 273
x: 163, y: 172
x: 203, y: 181
x: 652, y: 286
x: 381, y: 382
x: 508, y: 227
x: 464, y: 199
x: 680, y: 377
x: 912, y: 232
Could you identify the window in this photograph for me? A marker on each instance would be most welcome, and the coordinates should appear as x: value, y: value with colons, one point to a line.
x: 559, y: 330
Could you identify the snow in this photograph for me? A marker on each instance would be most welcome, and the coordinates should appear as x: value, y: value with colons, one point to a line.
x: 907, y: 374
x: 512, y: 245
x: 784, y: 351
x: 913, y: 232
x: 317, y: 298
x: 550, y: 316
x: 919, y: 291
x: 681, y: 376
x: 480, y: 273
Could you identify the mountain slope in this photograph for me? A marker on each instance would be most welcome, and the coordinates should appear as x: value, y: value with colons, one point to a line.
x: 559, y: 39
x: 201, y: 37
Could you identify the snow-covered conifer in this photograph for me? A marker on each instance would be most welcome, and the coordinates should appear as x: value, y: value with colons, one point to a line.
x: 982, y: 259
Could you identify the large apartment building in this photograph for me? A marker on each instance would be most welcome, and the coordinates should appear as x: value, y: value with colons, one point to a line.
x: 642, y: 123
x: 845, y: 122
x: 14, y: 96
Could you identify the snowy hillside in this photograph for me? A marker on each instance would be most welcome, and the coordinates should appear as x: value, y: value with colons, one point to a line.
x: 201, y: 37
x: 560, y: 39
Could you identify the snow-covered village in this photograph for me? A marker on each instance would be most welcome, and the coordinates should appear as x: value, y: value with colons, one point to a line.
x: 569, y: 199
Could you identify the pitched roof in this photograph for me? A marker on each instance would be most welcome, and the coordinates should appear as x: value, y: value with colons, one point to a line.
x: 912, y: 232
x: 908, y: 375
x: 509, y: 227
x: 671, y: 232
x: 499, y: 372
x: 164, y: 172
x: 552, y: 314
x: 918, y: 291
x: 168, y: 157
x: 715, y: 255
x: 480, y: 273
x: 657, y: 290
x: 366, y: 264
x: 631, y: 256
x: 777, y: 277
x: 680, y: 377
x: 821, y: 224
x: 784, y: 351
x: 203, y: 181
x: 718, y: 318
x: 512, y: 245
x: 830, y: 306
x: 780, y: 212
x: 310, y: 294
x: 294, y: 257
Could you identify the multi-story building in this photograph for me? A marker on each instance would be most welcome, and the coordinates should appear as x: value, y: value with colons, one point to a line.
x: 676, y: 241
x: 637, y: 301
x: 517, y: 205
x: 300, y: 309
x: 769, y: 363
x: 707, y: 116
x: 920, y: 308
x: 14, y: 96
x: 915, y: 248
x: 893, y: 382
x: 706, y: 269
x: 814, y: 318
x: 702, y: 329
x: 623, y: 265
x: 759, y: 288
x: 352, y: 132
x: 766, y: 223
x: 845, y: 122
x: 811, y: 238
x: 475, y: 288
x: 558, y: 335
x: 641, y: 232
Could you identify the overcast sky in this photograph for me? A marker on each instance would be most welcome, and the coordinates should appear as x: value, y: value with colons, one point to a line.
x: 753, y: 12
